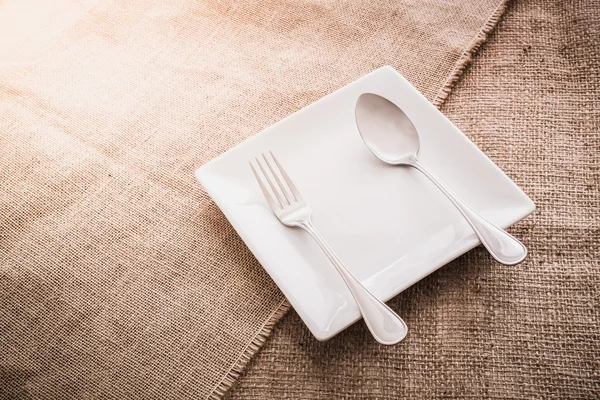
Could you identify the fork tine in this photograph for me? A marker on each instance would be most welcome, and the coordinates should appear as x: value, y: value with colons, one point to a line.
x: 272, y: 203
x: 270, y: 182
x: 281, y: 186
x: 293, y: 188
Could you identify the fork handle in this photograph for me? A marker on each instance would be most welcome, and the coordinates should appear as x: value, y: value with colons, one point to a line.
x: 385, y: 325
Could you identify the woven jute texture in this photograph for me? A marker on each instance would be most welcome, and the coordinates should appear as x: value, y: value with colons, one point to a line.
x: 119, y: 277
x: 479, y: 330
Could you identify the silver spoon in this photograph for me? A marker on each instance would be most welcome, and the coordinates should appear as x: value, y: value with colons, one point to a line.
x: 392, y: 137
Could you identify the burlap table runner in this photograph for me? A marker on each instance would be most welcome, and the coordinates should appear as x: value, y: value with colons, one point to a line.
x: 479, y: 330
x: 119, y: 278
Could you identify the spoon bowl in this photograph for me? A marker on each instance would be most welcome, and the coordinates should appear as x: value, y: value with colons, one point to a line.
x: 386, y: 129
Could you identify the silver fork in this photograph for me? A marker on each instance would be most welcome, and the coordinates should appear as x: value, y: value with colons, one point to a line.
x: 290, y: 208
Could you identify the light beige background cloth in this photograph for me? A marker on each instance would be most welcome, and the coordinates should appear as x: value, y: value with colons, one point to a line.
x: 119, y: 278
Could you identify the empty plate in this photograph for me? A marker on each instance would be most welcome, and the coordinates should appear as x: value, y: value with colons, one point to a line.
x: 389, y: 225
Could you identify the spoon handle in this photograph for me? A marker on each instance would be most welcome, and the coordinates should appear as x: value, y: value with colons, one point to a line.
x: 501, y: 245
x: 385, y: 325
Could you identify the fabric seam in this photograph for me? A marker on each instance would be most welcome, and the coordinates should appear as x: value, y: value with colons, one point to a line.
x: 249, y: 352
x: 466, y: 57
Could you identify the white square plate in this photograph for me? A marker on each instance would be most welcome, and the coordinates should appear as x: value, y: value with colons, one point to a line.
x: 389, y: 225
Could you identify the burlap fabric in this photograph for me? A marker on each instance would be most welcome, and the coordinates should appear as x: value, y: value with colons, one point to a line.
x: 119, y: 277
x: 479, y: 330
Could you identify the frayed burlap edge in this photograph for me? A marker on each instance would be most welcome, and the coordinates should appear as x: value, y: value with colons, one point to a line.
x: 253, y: 347
x: 263, y: 334
x: 467, y: 54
